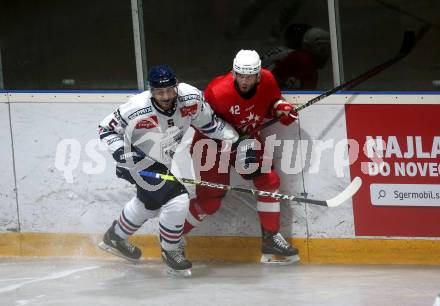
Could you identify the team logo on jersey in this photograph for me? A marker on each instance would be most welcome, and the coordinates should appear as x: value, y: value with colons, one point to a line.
x: 140, y: 112
x: 149, y: 123
x: 249, y: 122
x: 188, y: 110
x: 249, y: 108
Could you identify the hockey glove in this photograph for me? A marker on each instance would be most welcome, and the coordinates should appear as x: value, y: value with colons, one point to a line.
x: 121, y: 157
x: 125, y: 174
x: 285, y: 112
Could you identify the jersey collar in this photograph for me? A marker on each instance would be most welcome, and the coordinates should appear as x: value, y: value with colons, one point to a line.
x: 168, y: 113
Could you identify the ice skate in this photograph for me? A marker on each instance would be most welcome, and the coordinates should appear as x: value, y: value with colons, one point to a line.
x: 182, y: 246
x: 115, y: 245
x: 177, y: 264
x: 276, y: 250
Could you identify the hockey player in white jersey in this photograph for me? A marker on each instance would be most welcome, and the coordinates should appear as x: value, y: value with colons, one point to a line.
x: 143, y: 134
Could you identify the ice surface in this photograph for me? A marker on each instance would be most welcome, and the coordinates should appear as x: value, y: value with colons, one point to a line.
x: 34, y: 281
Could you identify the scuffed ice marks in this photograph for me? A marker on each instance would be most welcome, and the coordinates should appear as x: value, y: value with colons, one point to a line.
x: 52, y: 276
x: 29, y: 301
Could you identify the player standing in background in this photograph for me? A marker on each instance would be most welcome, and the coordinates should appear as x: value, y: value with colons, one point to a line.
x: 243, y: 98
x: 295, y: 66
x: 143, y: 134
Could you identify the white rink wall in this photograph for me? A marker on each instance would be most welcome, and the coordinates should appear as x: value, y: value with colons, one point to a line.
x: 47, y: 200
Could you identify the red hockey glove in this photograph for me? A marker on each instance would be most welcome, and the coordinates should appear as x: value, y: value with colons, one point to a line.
x: 285, y: 112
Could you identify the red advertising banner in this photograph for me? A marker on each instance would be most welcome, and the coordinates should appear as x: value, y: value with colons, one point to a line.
x: 399, y: 162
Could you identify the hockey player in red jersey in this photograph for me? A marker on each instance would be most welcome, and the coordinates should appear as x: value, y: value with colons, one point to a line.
x: 295, y: 66
x: 243, y: 98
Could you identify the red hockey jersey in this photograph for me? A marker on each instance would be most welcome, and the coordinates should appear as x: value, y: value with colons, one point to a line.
x: 244, y: 114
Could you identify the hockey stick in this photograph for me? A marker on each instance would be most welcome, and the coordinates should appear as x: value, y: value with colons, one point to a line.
x: 408, y: 42
x: 407, y: 13
x: 346, y: 194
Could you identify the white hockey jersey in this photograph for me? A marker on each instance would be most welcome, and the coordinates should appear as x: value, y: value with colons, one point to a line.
x: 139, y: 122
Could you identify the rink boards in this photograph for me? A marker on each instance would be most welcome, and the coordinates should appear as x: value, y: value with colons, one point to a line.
x: 58, y: 192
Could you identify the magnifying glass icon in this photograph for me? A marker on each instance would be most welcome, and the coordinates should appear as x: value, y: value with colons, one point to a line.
x: 382, y: 194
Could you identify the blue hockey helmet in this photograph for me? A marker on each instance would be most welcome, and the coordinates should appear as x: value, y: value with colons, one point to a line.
x: 161, y: 76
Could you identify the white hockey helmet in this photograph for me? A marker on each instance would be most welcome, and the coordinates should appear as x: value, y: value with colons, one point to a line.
x: 247, y: 62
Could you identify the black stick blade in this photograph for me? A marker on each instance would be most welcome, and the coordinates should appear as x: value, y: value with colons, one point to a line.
x: 409, y: 39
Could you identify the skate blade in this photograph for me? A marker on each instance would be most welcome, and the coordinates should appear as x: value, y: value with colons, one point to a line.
x: 278, y: 260
x: 113, y: 251
x: 178, y: 273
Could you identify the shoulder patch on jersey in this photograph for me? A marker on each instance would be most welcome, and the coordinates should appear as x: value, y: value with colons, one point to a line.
x: 140, y: 112
x: 188, y: 110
